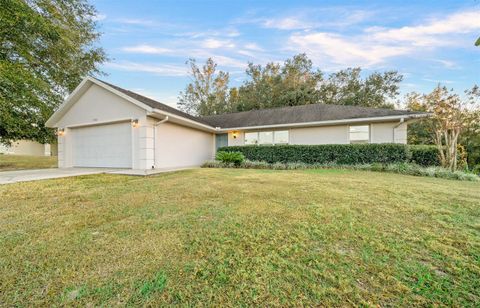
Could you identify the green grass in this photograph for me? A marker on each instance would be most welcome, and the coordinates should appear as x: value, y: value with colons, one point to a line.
x: 232, y: 237
x: 22, y: 162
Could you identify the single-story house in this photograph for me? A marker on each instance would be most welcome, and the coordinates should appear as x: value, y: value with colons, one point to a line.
x: 29, y: 147
x: 103, y: 125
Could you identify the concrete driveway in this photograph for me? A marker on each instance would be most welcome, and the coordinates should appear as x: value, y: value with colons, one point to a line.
x: 8, y: 177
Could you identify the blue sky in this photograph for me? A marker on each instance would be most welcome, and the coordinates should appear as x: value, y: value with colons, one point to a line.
x: 148, y: 42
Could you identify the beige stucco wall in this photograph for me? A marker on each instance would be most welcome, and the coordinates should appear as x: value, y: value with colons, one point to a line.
x: 98, y: 105
x: 390, y: 132
x: 26, y: 147
x: 178, y: 146
x: 240, y: 140
x: 400, y: 133
x: 319, y: 135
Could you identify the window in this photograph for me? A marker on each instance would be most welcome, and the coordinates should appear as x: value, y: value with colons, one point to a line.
x: 251, y: 138
x: 280, y: 136
x: 359, y: 134
x: 267, y: 137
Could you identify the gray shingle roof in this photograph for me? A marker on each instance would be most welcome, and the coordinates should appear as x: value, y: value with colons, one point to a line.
x: 299, y: 114
x: 283, y: 115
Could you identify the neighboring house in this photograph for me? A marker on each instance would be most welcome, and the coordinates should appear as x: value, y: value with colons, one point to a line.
x: 102, y: 125
x: 28, y: 147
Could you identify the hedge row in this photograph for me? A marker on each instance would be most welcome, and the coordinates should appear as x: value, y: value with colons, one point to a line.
x: 423, y: 155
x: 345, y: 154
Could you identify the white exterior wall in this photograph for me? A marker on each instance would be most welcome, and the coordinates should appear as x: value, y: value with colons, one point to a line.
x: 179, y: 146
x: 390, y: 132
x: 26, y: 147
x: 98, y: 106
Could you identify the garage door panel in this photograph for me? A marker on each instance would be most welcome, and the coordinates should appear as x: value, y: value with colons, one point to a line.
x: 103, y: 146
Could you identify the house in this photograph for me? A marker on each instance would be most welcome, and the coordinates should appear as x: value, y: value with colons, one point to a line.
x: 29, y: 147
x: 102, y: 125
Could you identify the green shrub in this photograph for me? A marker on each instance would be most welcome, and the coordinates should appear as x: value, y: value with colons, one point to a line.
x: 230, y: 157
x: 476, y: 169
x: 345, y: 154
x: 424, y: 155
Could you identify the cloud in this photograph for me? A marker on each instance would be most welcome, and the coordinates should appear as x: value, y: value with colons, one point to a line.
x: 212, y: 43
x: 147, y: 49
x: 432, y: 33
x: 375, y: 45
x: 343, y: 51
x: 446, y: 63
x: 186, y: 51
x: 252, y: 46
x: 162, y: 69
x: 286, y: 23
x: 135, y: 21
x: 438, y: 81
x: 229, y: 61
x: 309, y: 18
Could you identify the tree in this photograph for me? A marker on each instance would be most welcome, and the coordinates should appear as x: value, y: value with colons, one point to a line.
x: 46, y: 48
x: 297, y: 83
x: 347, y: 87
x: 208, y: 92
x: 274, y: 85
x: 292, y: 83
x: 419, y: 132
x: 452, y: 115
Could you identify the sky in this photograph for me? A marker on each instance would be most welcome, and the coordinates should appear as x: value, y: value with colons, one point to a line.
x: 149, y: 42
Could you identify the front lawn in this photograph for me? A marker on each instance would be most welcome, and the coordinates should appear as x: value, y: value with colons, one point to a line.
x: 22, y: 162
x: 241, y: 237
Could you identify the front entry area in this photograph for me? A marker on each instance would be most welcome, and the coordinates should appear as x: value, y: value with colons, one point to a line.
x: 102, y: 146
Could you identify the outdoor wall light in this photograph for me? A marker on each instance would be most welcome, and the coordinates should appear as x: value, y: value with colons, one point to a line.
x: 234, y: 135
x: 135, y: 123
x: 61, y: 132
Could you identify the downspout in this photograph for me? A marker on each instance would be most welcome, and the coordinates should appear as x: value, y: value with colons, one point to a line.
x: 155, y: 140
x: 402, y: 120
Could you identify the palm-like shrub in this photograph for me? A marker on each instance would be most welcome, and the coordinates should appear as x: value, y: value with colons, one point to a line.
x: 235, y: 158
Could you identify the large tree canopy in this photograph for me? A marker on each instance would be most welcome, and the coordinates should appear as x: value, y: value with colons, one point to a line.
x: 208, y: 92
x: 455, y: 120
x: 294, y: 82
x: 347, y: 87
x: 46, y: 47
x: 274, y: 85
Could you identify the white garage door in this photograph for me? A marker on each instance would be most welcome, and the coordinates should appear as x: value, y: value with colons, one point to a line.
x: 103, y: 146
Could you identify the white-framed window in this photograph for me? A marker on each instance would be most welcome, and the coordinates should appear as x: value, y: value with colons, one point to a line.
x: 267, y: 137
x: 280, y: 137
x: 359, y: 134
x: 251, y: 138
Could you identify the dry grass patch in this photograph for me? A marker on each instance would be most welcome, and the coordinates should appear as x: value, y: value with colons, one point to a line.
x: 23, y: 162
x: 241, y: 237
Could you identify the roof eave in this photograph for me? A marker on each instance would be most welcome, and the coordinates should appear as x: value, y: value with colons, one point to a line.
x: 183, y: 121
x: 405, y: 117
